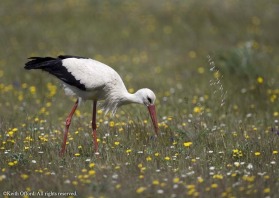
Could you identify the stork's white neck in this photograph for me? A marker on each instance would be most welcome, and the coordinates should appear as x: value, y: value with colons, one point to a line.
x: 132, y: 98
x: 118, y: 98
x: 142, y: 96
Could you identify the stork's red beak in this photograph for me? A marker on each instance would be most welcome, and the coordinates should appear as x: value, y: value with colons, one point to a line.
x: 152, y: 111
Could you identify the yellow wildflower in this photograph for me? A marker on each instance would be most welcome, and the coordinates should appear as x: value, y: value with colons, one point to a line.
x: 260, y: 80
x: 32, y: 89
x: 197, y: 109
x: 140, y: 190
x: 148, y: 158
x: 266, y: 190
x: 214, y: 185
x: 187, y: 144
x: 200, y: 179
x: 24, y: 176
x: 156, y: 182
x: 111, y: 124
x: 200, y: 70
x: 91, y: 165
x: 167, y: 158
x: 176, y: 180
x: 218, y: 176
x: 91, y: 172
x: 248, y: 178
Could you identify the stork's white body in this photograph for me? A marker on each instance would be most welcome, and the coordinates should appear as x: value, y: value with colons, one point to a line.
x: 101, y: 83
x: 97, y: 77
x: 89, y: 79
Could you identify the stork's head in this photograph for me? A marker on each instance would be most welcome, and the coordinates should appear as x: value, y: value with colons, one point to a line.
x: 147, y: 97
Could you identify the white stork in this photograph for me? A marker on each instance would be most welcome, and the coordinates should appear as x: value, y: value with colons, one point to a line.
x: 92, y: 80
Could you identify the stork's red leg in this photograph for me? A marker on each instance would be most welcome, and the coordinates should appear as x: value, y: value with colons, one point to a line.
x: 94, y: 127
x: 68, y: 122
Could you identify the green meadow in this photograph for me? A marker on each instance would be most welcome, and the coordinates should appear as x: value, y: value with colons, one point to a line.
x: 213, y: 66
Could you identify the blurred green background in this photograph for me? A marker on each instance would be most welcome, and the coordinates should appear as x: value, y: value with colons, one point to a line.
x: 156, y: 44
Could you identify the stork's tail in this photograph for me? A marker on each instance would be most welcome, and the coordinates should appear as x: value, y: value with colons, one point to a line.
x: 39, y: 62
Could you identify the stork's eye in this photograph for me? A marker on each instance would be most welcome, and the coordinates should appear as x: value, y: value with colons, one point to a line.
x: 149, y: 100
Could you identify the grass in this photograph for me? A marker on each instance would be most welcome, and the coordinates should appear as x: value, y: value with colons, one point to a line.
x: 213, y: 66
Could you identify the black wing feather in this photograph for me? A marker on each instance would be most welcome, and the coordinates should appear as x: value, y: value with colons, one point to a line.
x: 55, y: 67
x: 70, y: 56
